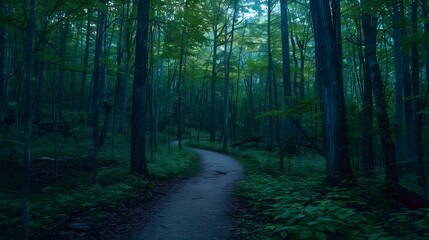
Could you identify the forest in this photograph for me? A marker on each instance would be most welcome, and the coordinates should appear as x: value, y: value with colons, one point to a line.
x: 318, y: 108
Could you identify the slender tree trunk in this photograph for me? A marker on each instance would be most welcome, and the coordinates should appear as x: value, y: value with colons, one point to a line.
x: 367, y: 124
x: 369, y: 25
x: 159, y: 76
x: 302, y: 46
x: 399, y: 84
x: 2, y: 71
x: 39, y: 95
x: 227, y: 75
x: 119, y: 79
x: 213, y: 86
x: 270, y: 79
x: 85, y: 63
x: 28, y: 119
x: 249, y: 84
x: 425, y: 10
x: 287, y: 84
x: 139, y: 106
x: 61, y: 73
x: 295, y: 62
x: 417, y: 103
x: 97, y: 78
x: 179, y: 97
x: 124, y: 84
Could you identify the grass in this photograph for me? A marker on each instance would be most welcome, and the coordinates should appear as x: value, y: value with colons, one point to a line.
x: 51, y: 202
x: 297, y: 204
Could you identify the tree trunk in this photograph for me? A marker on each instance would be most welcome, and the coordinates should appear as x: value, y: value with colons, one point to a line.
x: 369, y: 25
x: 139, y: 106
x: 270, y: 79
x: 249, y: 84
x: 2, y: 73
x: 124, y: 84
x: 179, y: 97
x: 28, y: 119
x: 119, y: 79
x: 332, y: 93
x: 417, y: 104
x: 425, y: 11
x: 61, y: 73
x: 85, y: 63
x: 367, y: 123
x: 367, y: 144
x: 97, y: 78
x: 287, y: 85
x: 399, y: 84
x: 227, y: 73
x: 213, y: 87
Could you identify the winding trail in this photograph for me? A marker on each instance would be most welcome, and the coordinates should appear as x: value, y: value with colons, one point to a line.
x: 198, y: 208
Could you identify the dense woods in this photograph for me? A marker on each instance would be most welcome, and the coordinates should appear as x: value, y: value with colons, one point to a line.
x: 95, y: 89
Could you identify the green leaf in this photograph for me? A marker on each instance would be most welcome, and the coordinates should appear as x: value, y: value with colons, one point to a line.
x: 305, y: 234
x: 321, y: 236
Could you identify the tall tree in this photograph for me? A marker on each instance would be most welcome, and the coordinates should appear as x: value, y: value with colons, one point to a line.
x: 31, y: 26
x: 399, y: 82
x: 85, y: 62
x: 97, y: 78
x: 287, y: 85
x: 329, y: 74
x: 139, y: 106
x: 2, y: 68
x: 63, y: 38
x: 369, y: 25
x: 417, y: 103
x: 124, y: 84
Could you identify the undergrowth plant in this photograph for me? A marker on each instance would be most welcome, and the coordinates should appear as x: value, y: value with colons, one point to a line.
x: 74, y: 194
x: 298, y: 204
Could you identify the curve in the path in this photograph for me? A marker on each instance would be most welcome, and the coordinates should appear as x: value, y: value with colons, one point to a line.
x: 199, y: 207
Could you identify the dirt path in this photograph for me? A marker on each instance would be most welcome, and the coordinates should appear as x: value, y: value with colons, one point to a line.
x: 199, y: 207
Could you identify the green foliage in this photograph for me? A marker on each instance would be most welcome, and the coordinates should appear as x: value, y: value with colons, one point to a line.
x: 74, y: 194
x: 299, y: 205
x: 180, y: 162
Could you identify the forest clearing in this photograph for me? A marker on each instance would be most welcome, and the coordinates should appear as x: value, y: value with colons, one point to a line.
x: 201, y: 119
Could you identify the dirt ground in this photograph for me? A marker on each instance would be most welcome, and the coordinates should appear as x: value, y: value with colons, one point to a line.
x: 200, y: 207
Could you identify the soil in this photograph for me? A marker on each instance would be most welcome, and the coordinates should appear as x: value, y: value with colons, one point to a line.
x: 200, y: 207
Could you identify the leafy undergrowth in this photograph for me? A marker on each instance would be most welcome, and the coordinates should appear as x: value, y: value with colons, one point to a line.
x: 74, y: 196
x: 297, y: 204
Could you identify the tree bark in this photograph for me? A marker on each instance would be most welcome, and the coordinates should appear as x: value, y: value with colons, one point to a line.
x: 97, y: 78
x: 369, y: 24
x: 28, y: 118
x: 331, y: 87
x: 2, y: 71
x: 227, y: 75
x: 124, y: 84
x: 213, y: 86
x: 61, y: 73
x: 139, y: 106
x: 399, y: 83
x: 287, y: 86
x: 85, y: 64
